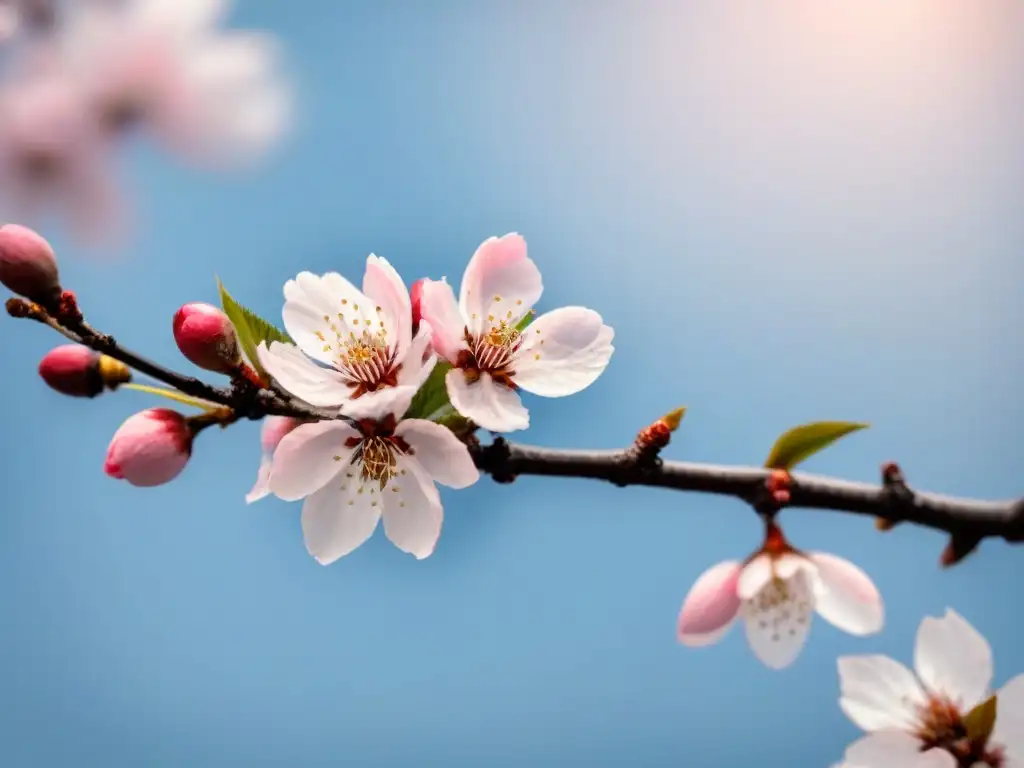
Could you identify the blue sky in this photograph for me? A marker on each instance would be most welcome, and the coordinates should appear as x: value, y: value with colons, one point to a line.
x: 788, y: 211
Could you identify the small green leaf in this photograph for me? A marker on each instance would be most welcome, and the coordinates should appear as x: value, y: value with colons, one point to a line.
x: 432, y: 396
x: 250, y: 327
x: 170, y: 394
x: 797, y: 444
x: 980, y: 721
x: 527, y: 319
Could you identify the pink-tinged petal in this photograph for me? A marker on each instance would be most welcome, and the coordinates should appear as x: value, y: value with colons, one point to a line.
x: 564, y: 352
x: 439, y: 309
x: 878, y: 693
x: 412, y: 510
x: 261, y: 488
x: 382, y: 284
x: 754, y: 577
x: 337, y: 519
x: 491, y: 405
x: 377, y: 405
x: 845, y: 596
x: 953, y: 659
x: 778, y: 619
x: 318, y: 309
x: 788, y: 564
x: 301, y: 377
x: 273, y: 431
x: 711, y: 606
x: 500, y: 278
x: 308, y: 458
x: 180, y: 16
x: 894, y: 749
x: 445, y: 458
x: 1009, y: 730
x: 420, y: 361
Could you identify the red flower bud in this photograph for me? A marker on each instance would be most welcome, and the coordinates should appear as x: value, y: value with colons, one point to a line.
x: 207, y: 338
x: 28, y: 266
x: 77, y: 371
x: 150, y: 448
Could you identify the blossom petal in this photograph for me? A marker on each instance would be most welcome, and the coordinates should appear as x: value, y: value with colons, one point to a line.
x: 412, y: 510
x: 894, y: 749
x: 182, y: 16
x: 1009, y: 730
x: 491, y: 405
x: 261, y: 488
x: 321, y: 311
x: 417, y: 364
x: 301, y: 377
x: 337, y: 521
x: 499, y: 280
x: 439, y: 309
x: 878, y: 692
x: 377, y: 405
x: 754, y: 577
x: 845, y: 596
x: 309, y: 457
x: 564, y: 352
x: 778, y: 619
x: 953, y: 659
x: 445, y: 458
x: 711, y: 605
x: 384, y: 285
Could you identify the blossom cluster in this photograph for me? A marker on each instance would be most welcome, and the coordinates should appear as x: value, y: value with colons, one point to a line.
x: 106, y: 70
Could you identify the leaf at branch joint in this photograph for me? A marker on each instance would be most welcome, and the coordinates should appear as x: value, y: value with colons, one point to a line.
x: 250, y: 327
x: 980, y: 721
x: 432, y: 396
x: 800, y: 443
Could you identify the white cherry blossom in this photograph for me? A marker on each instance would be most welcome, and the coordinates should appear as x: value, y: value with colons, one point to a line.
x: 561, y: 353
x: 355, y: 349
x: 273, y: 431
x: 775, y: 593
x: 352, y: 476
x: 917, y: 720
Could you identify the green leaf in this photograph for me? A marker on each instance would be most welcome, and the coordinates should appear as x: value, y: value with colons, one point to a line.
x: 250, y: 327
x: 527, y: 319
x: 432, y: 396
x: 797, y: 444
x: 170, y: 394
x: 980, y: 721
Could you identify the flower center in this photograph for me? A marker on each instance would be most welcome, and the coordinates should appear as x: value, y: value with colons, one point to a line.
x: 362, y: 353
x: 941, y: 724
x: 377, y: 450
x: 491, y: 352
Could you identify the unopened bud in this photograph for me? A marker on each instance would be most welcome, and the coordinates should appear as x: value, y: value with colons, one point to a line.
x: 78, y: 371
x: 416, y: 299
x: 207, y: 338
x: 150, y: 448
x: 28, y: 266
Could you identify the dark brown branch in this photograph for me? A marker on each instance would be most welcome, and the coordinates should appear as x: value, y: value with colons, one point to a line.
x: 963, y: 518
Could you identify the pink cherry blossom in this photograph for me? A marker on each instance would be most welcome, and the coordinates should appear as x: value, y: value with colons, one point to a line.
x: 916, y: 720
x: 775, y: 593
x: 561, y: 353
x: 351, y: 477
x: 150, y: 448
x: 354, y: 350
x: 274, y: 430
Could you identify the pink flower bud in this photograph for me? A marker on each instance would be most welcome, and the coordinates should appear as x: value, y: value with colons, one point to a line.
x: 28, y: 266
x: 415, y: 298
x: 72, y: 370
x: 207, y: 338
x: 150, y: 448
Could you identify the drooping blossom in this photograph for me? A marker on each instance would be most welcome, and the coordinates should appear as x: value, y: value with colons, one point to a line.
x: 354, y: 348
x: 776, y: 592
x: 150, y: 448
x: 163, y: 65
x: 274, y: 430
x: 384, y: 467
x: 561, y: 353
x: 917, y: 720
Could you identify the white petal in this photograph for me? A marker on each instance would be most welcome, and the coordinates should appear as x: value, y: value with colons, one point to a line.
x: 301, y: 377
x: 754, y: 577
x: 377, y: 405
x: 711, y: 606
x: 445, y: 458
x: 1009, y: 730
x: 894, y: 749
x: 778, y: 619
x: 439, y: 309
x: 412, y: 510
x: 845, y: 596
x: 182, y: 16
x: 338, y: 518
x: 953, y: 659
x: 491, y: 405
x: 321, y: 311
x: 261, y: 488
x: 309, y: 457
x: 415, y: 369
x: 382, y: 284
x: 499, y: 278
x: 878, y: 692
x: 563, y: 353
